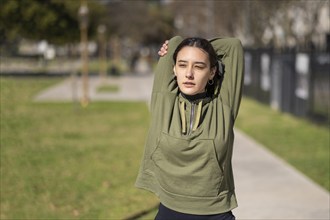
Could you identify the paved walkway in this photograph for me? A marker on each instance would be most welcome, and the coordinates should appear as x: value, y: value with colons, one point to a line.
x: 266, y: 186
x: 130, y: 88
x: 269, y: 188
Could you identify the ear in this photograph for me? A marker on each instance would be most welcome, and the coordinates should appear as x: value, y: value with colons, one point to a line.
x: 212, y: 74
x: 174, y: 70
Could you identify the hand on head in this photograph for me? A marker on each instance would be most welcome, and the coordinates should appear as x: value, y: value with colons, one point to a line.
x: 163, y: 50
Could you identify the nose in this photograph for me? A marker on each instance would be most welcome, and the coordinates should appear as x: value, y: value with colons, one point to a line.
x: 189, y: 73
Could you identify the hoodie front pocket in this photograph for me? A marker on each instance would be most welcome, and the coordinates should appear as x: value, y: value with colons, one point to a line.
x: 187, y: 167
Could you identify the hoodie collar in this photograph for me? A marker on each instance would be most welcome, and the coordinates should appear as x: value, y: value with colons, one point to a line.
x: 194, y: 98
x: 198, y: 101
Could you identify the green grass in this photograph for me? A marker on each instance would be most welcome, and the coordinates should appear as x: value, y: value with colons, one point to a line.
x: 301, y: 143
x: 107, y: 88
x: 61, y: 162
x: 120, y: 65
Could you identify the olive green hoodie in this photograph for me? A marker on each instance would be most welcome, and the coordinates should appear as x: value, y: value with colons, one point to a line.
x: 188, y: 151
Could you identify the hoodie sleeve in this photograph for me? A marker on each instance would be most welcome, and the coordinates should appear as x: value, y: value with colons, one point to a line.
x: 164, y: 80
x: 230, y: 51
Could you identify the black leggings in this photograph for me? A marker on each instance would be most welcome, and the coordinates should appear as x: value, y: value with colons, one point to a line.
x: 165, y: 213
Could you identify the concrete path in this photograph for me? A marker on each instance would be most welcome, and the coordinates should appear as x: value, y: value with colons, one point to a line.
x: 269, y: 188
x: 130, y: 88
x: 266, y: 186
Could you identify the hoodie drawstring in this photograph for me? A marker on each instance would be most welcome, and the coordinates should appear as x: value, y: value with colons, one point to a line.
x: 198, y: 116
x: 183, y: 117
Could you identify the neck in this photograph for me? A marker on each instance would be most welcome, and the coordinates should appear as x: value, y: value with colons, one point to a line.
x: 192, y: 98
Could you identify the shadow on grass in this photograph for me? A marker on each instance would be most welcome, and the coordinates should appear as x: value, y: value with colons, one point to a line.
x: 138, y: 215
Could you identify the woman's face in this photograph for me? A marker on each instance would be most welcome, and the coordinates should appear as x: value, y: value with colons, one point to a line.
x: 193, y: 70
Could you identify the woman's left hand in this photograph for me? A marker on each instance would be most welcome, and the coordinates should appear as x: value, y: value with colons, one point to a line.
x: 163, y: 50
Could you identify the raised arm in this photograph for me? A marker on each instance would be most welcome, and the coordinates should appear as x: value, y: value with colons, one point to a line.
x: 230, y: 51
x: 164, y: 80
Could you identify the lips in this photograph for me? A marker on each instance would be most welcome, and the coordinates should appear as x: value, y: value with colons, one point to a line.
x: 188, y: 84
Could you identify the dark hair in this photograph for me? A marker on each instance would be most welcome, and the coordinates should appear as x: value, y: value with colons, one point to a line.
x: 206, y: 46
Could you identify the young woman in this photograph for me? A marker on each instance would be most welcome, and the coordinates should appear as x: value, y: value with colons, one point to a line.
x: 195, y: 100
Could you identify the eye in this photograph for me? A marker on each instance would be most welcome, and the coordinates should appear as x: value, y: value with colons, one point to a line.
x: 199, y: 67
x: 182, y: 65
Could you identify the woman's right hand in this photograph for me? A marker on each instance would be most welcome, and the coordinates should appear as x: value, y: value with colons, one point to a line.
x: 163, y: 50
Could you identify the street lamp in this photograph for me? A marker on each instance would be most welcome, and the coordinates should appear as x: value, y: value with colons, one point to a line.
x: 83, y: 16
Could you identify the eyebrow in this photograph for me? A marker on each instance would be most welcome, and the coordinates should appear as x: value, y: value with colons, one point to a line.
x: 198, y: 62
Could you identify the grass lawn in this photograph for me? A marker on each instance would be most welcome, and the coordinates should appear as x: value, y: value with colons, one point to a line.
x: 108, y: 88
x: 60, y: 162
x: 63, y: 162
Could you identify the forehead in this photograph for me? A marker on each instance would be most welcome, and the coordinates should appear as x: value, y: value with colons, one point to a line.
x: 189, y: 53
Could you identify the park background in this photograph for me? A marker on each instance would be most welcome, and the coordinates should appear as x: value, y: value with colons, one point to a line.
x: 78, y: 158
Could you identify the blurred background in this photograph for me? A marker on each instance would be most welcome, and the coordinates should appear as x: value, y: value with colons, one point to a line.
x: 286, y: 42
x: 64, y: 160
